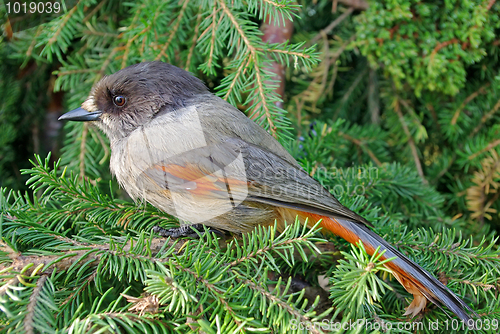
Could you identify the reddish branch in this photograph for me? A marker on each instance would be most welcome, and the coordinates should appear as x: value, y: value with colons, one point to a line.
x: 393, y: 30
x: 277, y: 34
x: 356, y: 4
x: 281, y: 33
x: 442, y: 45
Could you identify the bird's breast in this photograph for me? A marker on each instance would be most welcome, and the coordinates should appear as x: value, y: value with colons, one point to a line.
x: 155, y: 144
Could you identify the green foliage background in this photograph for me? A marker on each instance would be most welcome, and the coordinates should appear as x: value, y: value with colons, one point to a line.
x: 395, y: 109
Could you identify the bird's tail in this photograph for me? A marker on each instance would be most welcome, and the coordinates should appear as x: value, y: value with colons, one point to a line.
x: 416, y: 280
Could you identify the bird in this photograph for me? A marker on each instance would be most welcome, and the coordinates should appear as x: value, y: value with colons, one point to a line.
x: 195, y: 156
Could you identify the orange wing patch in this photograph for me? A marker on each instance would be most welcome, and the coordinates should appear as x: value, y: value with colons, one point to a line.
x: 201, y: 183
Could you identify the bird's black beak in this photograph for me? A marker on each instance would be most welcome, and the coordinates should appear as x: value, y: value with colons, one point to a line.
x: 81, y: 115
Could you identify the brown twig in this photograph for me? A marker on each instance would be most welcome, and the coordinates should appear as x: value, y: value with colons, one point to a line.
x: 485, y: 287
x: 28, y: 320
x: 130, y: 41
x: 33, y: 42
x: 82, y: 287
x: 215, y: 290
x: 411, y: 142
x: 373, y: 97
x: 212, y: 40
x: 83, y: 150
x: 67, y: 259
x: 53, y: 39
x: 350, y: 90
x: 100, y: 33
x: 173, y: 31
x: 106, y: 62
x: 481, y: 90
x: 93, y: 11
x: 85, y: 70
x: 103, y: 144
x: 279, y: 5
x: 363, y: 146
x: 334, y: 6
x: 486, y: 149
x: 195, y: 38
x: 332, y: 25
x: 312, y: 93
x: 485, y: 118
x: 9, y: 33
x: 290, y: 53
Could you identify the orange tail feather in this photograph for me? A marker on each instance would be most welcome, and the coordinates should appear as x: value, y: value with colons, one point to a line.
x: 416, y: 280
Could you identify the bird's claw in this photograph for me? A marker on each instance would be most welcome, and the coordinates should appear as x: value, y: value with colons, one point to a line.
x: 184, y: 231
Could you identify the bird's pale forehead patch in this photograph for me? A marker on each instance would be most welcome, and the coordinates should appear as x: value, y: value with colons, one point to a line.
x: 89, y: 104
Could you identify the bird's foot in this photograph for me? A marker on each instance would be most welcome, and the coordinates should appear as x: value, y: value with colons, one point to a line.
x: 184, y: 231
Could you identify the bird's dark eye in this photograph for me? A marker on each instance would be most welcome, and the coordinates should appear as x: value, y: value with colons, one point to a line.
x: 119, y: 101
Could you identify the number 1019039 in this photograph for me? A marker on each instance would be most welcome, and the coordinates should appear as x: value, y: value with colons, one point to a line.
x: 478, y: 324
x: 32, y: 7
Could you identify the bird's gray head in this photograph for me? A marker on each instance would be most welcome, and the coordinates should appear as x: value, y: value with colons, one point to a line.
x: 131, y: 97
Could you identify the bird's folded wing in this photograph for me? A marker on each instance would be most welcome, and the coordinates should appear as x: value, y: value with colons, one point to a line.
x: 238, y: 171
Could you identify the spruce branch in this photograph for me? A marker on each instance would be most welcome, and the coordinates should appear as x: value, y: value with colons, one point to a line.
x: 28, y: 320
x: 199, y: 17
x: 173, y: 31
x: 325, y: 72
x: 33, y: 43
x: 92, y: 254
x: 254, y: 56
x: 81, y: 288
x: 212, y: 27
x: 131, y: 40
x: 235, y: 80
x: 354, y: 283
x: 128, y: 258
x: 60, y: 34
